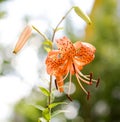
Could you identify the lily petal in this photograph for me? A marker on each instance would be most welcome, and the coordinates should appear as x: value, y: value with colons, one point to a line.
x: 60, y: 83
x: 65, y: 46
x: 84, y: 52
x: 56, y: 65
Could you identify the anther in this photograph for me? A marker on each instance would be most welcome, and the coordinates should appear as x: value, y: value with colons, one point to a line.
x: 91, y: 74
x: 56, y: 84
x: 98, y: 81
x: 69, y: 97
x: 88, y: 95
x: 74, y: 67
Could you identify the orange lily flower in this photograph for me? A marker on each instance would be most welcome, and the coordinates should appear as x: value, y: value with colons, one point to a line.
x: 70, y: 59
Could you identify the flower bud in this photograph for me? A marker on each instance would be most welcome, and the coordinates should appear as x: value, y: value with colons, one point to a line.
x: 23, y: 38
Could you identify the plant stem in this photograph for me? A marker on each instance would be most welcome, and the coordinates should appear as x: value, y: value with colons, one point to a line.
x: 39, y: 32
x: 50, y: 90
x: 49, y: 98
x: 60, y: 23
x: 54, y: 32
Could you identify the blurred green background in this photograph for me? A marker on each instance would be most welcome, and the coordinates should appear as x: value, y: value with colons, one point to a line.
x: 104, y: 103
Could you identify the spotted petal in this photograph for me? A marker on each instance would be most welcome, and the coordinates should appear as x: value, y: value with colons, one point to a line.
x: 84, y: 53
x: 57, y: 65
x: 65, y: 46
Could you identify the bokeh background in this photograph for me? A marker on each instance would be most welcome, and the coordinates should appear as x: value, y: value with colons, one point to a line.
x: 21, y: 74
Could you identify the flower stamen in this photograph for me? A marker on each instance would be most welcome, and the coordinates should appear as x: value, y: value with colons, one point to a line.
x: 56, y: 84
x: 89, y: 78
x: 98, y: 81
x: 69, y: 84
x: 81, y: 84
x: 88, y: 96
x: 69, y: 97
x: 85, y: 81
x: 74, y: 68
x: 65, y: 76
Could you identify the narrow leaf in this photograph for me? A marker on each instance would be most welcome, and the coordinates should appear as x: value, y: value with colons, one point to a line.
x: 46, y: 114
x: 56, y: 104
x: 81, y: 14
x: 39, y: 107
x: 47, y: 42
x: 41, y: 119
x: 58, y: 112
x: 61, y: 28
x: 44, y: 91
x: 47, y: 49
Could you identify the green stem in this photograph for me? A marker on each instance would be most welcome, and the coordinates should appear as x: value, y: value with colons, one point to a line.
x: 50, y: 90
x: 39, y: 32
x: 54, y: 32
x: 49, y: 98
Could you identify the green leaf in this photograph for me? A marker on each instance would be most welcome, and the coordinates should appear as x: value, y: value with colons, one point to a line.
x: 81, y: 14
x: 61, y: 28
x: 52, y: 105
x: 47, y: 42
x: 48, y: 49
x: 41, y: 119
x: 46, y: 114
x: 58, y: 112
x: 44, y: 91
x: 39, y: 107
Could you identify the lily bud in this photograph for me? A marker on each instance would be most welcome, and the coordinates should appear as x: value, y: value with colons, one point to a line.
x: 23, y: 38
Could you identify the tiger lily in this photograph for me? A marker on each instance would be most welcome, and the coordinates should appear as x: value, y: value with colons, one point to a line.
x: 70, y: 59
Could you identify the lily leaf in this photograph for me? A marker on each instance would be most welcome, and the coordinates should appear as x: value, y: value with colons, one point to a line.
x: 46, y: 114
x: 44, y: 91
x: 58, y: 112
x: 47, y: 49
x: 47, y: 42
x: 81, y: 14
x: 41, y: 119
x: 52, y: 105
x: 39, y: 107
x: 61, y: 28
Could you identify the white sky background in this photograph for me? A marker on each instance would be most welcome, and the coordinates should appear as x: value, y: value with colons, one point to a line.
x: 11, y: 86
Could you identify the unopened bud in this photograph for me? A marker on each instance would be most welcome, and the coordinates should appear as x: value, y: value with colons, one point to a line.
x: 23, y: 38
